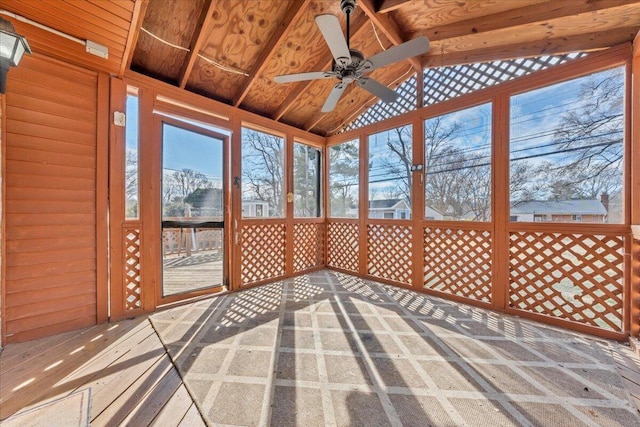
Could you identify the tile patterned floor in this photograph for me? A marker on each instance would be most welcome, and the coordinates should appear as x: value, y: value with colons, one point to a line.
x: 331, y: 349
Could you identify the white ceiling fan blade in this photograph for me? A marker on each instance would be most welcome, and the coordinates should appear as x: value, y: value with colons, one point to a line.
x: 403, y: 51
x: 333, y: 97
x: 332, y: 32
x: 298, y: 77
x: 378, y: 89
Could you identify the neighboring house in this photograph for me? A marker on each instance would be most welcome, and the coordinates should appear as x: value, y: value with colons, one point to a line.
x: 433, y: 214
x: 559, y: 211
x: 255, y: 209
x: 614, y: 206
x: 389, y: 209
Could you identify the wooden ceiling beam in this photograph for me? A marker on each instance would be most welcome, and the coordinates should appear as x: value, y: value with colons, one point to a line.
x: 197, y: 40
x: 554, y: 46
x: 387, y: 6
x: 139, y: 10
x: 324, y: 63
x: 388, y: 26
x: 541, y: 12
x: 294, y: 14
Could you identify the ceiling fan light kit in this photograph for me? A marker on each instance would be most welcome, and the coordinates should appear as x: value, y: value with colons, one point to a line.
x: 350, y: 65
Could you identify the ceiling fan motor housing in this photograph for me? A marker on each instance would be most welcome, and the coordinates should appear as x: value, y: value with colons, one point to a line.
x: 348, y: 71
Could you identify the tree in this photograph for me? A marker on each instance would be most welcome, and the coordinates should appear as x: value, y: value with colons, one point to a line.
x: 131, y: 182
x: 591, y: 139
x: 177, y: 186
x: 262, y: 168
x: 398, y: 164
x: 186, y: 181
x: 458, y: 181
x: 343, y: 176
x: 306, y: 181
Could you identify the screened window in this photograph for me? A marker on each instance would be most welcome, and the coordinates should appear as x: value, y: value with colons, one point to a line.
x: 306, y: 181
x: 567, y: 149
x: 344, y: 167
x: 262, y: 174
x: 457, y: 149
x: 390, y: 172
x: 131, y: 156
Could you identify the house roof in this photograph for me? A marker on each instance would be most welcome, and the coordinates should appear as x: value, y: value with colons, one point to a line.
x: 230, y: 51
x: 384, y: 203
x: 560, y: 207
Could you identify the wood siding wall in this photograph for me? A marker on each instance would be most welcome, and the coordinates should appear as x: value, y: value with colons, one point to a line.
x: 50, y: 282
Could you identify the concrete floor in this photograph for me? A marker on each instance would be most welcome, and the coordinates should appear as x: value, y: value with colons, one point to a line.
x: 330, y: 349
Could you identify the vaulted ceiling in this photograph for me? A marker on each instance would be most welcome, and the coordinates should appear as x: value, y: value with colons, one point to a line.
x: 230, y: 50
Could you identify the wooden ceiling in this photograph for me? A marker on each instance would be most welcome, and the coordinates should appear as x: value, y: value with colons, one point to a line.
x: 230, y: 50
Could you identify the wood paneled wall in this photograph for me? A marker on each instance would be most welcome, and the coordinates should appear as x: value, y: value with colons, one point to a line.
x: 50, y: 211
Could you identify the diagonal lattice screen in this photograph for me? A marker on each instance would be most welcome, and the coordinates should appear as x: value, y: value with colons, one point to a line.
x: 444, y: 83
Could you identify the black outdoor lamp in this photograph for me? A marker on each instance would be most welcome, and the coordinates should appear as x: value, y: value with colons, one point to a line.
x: 12, y: 47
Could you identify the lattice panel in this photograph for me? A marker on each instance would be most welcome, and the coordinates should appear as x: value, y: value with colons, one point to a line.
x: 308, y: 246
x: 132, y: 270
x: 458, y: 262
x: 390, y: 249
x: 570, y: 276
x: 444, y: 83
x: 343, y: 250
x: 263, y: 252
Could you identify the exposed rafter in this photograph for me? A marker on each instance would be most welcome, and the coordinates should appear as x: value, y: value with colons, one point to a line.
x: 324, y: 63
x: 581, y: 42
x: 139, y: 10
x: 387, y: 6
x: 388, y: 26
x: 294, y: 13
x: 528, y: 15
x: 199, y: 37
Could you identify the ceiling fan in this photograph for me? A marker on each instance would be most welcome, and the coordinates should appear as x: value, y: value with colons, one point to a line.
x: 350, y: 65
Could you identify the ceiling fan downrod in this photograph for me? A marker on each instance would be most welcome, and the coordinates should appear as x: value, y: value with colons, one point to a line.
x: 347, y: 7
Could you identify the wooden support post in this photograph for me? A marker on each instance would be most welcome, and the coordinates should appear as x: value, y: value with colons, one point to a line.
x: 363, y: 207
x: 118, y: 100
x: 150, y: 166
x: 417, y: 201
x: 235, y: 230
x: 288, y: 207
x: 634, y: 116
x: 102, y: 199
x: 500, y: 203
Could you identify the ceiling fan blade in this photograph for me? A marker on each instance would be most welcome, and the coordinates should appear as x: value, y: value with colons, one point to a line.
x: 289, y: 78
x: 333, y: 97
x: 378, y: 89
x: 403, y: 51
x: 332, y: 32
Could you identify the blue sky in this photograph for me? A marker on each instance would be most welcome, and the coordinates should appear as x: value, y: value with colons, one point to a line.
x: 181, y: 148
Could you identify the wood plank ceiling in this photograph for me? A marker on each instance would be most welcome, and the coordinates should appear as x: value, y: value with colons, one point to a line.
x: 230, y: 50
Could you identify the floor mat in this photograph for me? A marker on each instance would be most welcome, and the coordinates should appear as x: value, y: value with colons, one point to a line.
x: 69, y: 411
